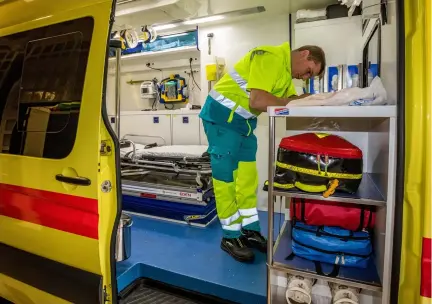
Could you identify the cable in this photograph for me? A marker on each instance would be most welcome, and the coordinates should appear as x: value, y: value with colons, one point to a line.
x: 154, y: 107
x: 172, y: 107
x: 192, y: 74
x: 157, y: 99
x: 156, y: 69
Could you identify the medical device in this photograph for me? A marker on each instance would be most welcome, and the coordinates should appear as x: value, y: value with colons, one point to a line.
x: 149, y: 89
x: 173, y: 90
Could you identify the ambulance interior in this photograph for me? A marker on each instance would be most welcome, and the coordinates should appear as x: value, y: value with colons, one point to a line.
x: 197, y: 42
x: 172, y: 52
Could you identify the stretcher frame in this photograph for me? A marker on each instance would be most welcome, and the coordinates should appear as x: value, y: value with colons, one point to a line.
x: 169, y: 166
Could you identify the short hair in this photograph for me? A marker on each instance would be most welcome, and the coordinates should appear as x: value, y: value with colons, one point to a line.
x: 316, y: 54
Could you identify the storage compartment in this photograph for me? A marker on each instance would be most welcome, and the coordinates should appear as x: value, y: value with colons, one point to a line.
x: 340, y: 11
x: 185, y: 129
x: 340, y: 39
x: 152, y: 124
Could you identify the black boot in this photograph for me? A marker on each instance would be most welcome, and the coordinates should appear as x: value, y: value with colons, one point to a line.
x: 255, y: 240
x: 238, y: 249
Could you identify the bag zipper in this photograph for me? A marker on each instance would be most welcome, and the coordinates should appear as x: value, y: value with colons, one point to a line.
x: 332, y: 252
x: 322, y: 232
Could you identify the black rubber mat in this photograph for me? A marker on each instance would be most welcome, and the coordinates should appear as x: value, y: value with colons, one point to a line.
x: 146, y: 291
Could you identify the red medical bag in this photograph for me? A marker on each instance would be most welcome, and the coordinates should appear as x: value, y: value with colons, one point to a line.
x: 325, y: 213
x: 318, y: 162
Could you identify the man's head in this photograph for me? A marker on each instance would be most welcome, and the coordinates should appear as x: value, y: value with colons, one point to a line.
x: 307, y: 61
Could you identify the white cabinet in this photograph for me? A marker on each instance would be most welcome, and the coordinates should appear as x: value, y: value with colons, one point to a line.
x: 185, y: 129
x: 176, y: 127
x: 147, y: 124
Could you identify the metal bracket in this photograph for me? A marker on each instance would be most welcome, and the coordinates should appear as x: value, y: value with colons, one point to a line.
x: 106, y: 186
x: 106, y: 148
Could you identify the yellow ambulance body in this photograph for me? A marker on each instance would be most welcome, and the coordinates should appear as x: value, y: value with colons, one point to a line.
x: 59, y: 189
x: 57, y: 226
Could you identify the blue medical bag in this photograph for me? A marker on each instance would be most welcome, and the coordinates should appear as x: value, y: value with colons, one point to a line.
x: 331, y: 245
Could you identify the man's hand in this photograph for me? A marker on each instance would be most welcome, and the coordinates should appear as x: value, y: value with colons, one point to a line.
x: 259, y: 100
x: 304, y: 95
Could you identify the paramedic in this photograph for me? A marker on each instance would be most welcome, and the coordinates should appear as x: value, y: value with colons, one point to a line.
x: 260, y: 79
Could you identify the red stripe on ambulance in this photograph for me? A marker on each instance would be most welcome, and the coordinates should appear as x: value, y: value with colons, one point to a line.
x: 426, y: 281
x: 68, y: 213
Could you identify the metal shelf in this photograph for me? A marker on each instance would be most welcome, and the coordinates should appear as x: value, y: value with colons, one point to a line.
x: 334, y: 111
x: 356, y: 277
x: 367, y: 194
x: 178, y: 50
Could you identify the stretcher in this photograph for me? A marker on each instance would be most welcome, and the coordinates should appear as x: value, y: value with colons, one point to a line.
x: 170, y: 182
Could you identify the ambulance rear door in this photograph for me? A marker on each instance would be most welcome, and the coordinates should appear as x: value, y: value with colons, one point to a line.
x: 58, y: 185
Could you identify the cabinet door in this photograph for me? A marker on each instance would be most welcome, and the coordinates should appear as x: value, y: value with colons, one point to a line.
x: 203, y: 136
x: 147, y: 125
x: 186, y: 129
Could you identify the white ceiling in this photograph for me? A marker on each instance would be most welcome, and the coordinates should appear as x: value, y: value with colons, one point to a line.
x: 272, y: 6
x: 141, y: 12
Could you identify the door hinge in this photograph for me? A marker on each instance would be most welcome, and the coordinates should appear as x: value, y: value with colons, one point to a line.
x: 106, y: 148
x: 105, y: 295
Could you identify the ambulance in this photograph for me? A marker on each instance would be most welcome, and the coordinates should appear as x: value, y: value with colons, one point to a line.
x: 60, y: 192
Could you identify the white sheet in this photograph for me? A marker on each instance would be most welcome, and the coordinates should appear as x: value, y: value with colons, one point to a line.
x: 167, y: 151
x: 375, y: 94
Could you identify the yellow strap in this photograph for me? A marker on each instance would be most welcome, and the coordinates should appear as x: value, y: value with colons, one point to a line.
x: 311, y: 188
x: 281, y: 186
x: 318, y: 173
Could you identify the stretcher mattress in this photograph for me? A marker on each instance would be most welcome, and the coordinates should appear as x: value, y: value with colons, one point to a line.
x: 174, y: 151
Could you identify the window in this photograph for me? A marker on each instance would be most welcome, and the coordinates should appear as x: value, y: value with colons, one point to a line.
x: 42, y: 73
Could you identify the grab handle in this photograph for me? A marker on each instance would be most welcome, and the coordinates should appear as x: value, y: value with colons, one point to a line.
x: 79, y: 181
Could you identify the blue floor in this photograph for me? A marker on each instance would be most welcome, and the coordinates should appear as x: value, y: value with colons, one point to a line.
x: 191, y: 258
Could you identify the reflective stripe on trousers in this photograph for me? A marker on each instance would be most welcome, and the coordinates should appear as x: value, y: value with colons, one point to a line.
x: 248, y: 212
x: 229, y: 220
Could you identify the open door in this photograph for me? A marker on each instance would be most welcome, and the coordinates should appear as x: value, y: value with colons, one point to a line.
x: 58, y: 187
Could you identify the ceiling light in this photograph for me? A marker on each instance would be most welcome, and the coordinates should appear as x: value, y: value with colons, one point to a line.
x: 173, y: 35
x: 204, y: 19
x: 164, y: 26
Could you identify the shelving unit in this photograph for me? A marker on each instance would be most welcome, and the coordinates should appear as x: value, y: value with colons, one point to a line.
x: 179, y: 50
x: 175, y: 58
x: 375, y: 127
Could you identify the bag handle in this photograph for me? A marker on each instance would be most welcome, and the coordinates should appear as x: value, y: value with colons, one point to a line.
x: 332, y: 274
x: 303, y: 209
x: 318, y: 267
x: 362, y: 217
x: 371, y: 211
x: 294, y: 210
